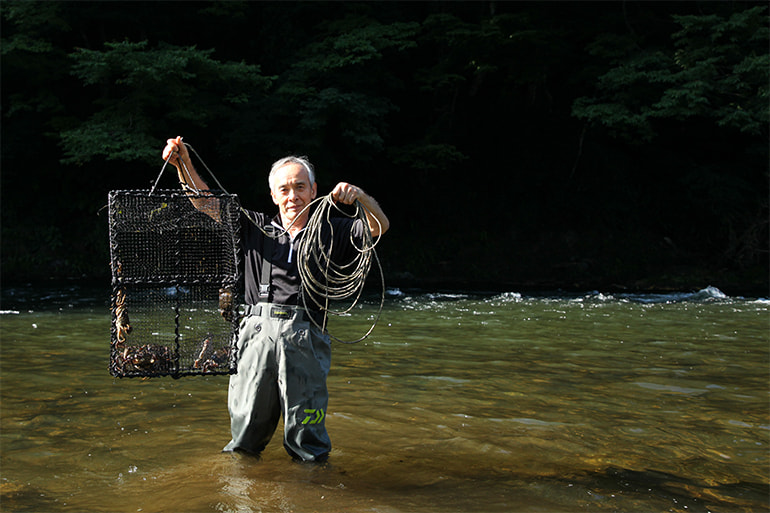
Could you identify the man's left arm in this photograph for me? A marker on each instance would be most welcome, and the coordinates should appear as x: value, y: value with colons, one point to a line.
x: 348, y: 194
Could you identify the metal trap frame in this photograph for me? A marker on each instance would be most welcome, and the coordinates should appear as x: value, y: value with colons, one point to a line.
x: 175, y: 275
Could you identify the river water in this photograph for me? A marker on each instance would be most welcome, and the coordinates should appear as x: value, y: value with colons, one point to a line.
x: 455, y: 403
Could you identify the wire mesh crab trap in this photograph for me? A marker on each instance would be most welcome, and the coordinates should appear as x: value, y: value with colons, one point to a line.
x: 174, y: 283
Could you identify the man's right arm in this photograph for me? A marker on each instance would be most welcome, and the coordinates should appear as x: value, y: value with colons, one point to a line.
x: 177, y: 154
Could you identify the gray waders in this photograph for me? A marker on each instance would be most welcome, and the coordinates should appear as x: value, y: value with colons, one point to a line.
x: 283, y: 362
x: 282, y: 367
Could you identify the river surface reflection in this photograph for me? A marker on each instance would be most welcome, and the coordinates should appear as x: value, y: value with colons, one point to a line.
x: 455, y: 403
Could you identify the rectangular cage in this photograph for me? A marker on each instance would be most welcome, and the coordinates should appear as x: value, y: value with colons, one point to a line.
x: 174, y: 260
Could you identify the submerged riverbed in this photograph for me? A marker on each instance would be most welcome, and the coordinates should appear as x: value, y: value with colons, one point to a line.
x: 455, y: 403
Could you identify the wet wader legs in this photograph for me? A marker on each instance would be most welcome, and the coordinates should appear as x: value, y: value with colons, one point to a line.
x: 304, y: 368
x: 254, y: 384
x: 283, y: 364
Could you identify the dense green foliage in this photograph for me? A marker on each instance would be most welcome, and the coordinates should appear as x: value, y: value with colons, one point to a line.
x: 531, y: 144
x: 716, y: 71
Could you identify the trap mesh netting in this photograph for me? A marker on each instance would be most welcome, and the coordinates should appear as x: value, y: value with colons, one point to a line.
x: 174, y: 283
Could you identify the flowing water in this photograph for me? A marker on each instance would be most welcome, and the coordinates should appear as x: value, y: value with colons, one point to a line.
x: 455, y: 403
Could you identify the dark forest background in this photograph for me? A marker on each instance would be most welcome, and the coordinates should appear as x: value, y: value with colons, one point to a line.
x: 514, y: 145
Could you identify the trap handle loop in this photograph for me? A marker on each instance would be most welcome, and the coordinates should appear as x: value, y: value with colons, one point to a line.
x: 189, y: 147
x: 161, y: 173
x: 187, y: 171
x: 189, y: 179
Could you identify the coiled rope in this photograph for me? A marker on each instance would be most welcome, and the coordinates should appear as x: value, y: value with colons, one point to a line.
x: 338, y: 282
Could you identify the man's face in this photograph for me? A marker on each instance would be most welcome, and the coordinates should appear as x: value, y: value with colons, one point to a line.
x: 292, y: 192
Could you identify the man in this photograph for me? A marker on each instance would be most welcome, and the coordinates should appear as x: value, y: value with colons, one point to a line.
x: 283, y: 356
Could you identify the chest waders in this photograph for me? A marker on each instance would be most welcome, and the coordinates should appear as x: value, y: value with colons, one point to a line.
x: 283, y: 362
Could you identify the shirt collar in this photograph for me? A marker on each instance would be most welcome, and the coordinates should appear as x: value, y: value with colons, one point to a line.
x: 277, y: 223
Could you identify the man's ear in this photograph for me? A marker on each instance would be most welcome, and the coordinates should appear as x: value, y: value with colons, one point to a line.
x: 272, y: 195
x: 314, y: 191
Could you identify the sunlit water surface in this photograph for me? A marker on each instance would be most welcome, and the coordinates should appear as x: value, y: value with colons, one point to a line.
x: 455, y: 403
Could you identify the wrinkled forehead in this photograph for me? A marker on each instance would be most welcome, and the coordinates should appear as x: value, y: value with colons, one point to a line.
x: 289, y: 174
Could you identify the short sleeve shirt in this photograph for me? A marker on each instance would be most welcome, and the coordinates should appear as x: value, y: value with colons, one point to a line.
x: 285, y: 286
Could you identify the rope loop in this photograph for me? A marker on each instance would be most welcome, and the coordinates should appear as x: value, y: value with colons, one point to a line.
x: 187, y: 172
x: 337, y: 282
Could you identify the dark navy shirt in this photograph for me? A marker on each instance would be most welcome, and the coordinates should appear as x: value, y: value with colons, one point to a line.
x: 285, y: 282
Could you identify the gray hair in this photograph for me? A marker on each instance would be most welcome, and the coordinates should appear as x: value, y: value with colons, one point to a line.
x: 291, y: 159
